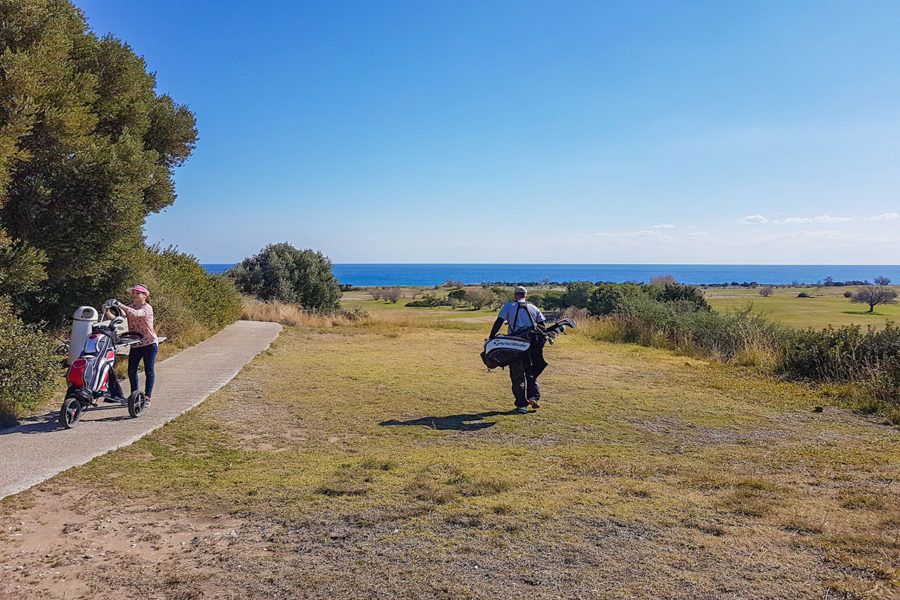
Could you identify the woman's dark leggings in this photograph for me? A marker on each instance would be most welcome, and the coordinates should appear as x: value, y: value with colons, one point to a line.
x: 148, y: 355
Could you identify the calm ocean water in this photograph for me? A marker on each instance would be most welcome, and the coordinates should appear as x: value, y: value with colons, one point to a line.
x: 433, y: 274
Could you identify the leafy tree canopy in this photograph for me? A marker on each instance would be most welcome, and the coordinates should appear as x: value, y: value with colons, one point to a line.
x: 282, y: 272
x: 87, y: 150
x: 873, y: 295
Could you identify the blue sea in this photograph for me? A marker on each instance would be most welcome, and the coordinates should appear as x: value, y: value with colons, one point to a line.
x: 434, y: 274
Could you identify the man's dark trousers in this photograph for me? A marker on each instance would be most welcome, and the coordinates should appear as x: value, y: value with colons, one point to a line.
x: 524, y: 380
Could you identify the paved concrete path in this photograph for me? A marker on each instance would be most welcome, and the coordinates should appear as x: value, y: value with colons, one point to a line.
x: 41, y: 447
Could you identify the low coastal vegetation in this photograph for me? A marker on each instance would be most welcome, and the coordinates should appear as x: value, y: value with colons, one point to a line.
x: 679, y: 317
x: 860, y: 363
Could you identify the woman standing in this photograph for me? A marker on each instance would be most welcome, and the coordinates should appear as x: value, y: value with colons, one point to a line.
x: 140, y: 320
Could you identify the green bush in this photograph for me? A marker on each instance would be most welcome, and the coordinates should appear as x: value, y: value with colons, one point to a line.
x: 614, y: 298
x: 457, y: 294
x: 678, y: 318
x: 610, y: 298
x: 282, y: 272
x: 548, y: 300
x: 429, y: 301
x: 188, y: 303
x: 844, y: 354
x: 680, y: 293
x: 27, y: 364
x: 480, y: 297
x: 577, y: 294
x: 502, y: 294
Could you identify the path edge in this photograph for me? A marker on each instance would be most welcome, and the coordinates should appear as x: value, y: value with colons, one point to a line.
x: 129, y: 441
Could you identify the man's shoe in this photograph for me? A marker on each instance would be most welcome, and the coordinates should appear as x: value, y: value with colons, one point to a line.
x: 522, y: 409
x: 534, y: 403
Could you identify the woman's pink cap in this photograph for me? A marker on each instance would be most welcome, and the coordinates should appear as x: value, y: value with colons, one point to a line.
x: 139, y: 288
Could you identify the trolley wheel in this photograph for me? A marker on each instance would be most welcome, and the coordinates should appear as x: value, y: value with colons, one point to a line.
x: 70, y: 413
x: 136, y: 403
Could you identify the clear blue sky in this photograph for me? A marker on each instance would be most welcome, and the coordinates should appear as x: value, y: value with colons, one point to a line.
x: 589, y: 132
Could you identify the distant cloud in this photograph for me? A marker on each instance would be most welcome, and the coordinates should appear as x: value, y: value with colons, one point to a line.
x: 891, y: 216
x: 754, y: 220
x: 819, y: 219
x: 664, y: 226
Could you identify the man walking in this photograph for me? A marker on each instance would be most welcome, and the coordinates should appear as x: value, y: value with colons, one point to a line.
x: 525, y: 320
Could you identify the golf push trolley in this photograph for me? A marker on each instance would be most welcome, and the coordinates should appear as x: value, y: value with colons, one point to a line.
x: 92, y: 356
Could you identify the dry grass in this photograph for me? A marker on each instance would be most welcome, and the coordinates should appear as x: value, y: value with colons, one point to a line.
x: 293, y: 315
x: 378, y: 459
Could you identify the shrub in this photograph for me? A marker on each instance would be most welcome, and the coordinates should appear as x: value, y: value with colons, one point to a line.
x: 282, y: 272
x: 27, y: 364
x: 842, y: 354
x: 392, y: 295
x: 548, y: 300
x: 188, y: 303
x: 766, y: 291
x: 480, y: 297
x: 577, y: 294
x: 429, y: 301
x: 803, y: 295
x: 680, y: 326
x: 502, y: 295
x: 608, y: 298
x: 662, y: 280
x: 458, y: 295
x: 611, y: 298
x: 676, y: 292
x: 868, y: 359
x: 848, y: 294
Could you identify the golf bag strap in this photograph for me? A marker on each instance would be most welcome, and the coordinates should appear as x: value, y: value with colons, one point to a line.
x: 527, y: 312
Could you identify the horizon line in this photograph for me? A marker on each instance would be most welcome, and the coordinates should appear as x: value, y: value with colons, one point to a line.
x: 604, y: 264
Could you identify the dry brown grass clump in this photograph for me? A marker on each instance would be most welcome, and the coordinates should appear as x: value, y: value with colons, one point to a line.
x: 294, y: 315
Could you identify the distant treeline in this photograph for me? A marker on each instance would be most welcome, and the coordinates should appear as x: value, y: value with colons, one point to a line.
x: 828, y: 282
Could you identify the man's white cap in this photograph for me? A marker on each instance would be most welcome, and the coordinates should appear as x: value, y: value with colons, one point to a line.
x: 521, y: 290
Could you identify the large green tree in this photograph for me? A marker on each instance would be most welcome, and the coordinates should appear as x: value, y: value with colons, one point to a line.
x: 282, y: 272
x: 87, y: 151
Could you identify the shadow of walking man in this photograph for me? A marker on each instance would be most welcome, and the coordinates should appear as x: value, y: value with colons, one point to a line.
x: 463, y: 422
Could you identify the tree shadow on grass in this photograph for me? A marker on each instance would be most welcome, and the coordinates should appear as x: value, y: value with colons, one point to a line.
x: 462, y: 422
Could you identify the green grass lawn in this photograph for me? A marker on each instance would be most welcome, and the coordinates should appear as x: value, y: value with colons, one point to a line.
x: 381, y: 460
x: 825, y: 307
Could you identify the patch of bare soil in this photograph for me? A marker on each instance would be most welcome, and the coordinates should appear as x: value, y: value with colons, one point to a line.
x: 83, y: 546
x: 76, y: 544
